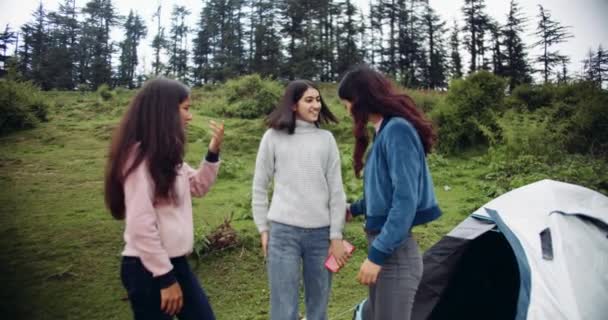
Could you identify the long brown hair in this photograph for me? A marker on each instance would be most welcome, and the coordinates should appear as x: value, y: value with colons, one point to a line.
x: 153, y: 124
x: 370, y: 92
x: 284, y: 118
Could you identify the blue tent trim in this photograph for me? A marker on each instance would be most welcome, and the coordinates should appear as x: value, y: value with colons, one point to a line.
x: 523, y: 300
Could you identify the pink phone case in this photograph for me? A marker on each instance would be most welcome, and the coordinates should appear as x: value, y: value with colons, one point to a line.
x: 331, y: 264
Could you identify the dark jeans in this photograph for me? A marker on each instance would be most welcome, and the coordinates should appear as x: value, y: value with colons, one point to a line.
x: 144, y: 291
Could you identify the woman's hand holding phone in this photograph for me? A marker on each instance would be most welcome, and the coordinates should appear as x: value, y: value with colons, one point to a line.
x: 339, y: 253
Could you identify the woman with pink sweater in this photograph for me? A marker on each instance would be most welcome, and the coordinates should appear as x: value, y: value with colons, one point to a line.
x: 150, y: 186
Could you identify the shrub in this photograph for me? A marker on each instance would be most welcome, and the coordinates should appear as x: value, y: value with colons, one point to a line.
x: 532, y: 97
x: 524, y: 133
x: 21, y: 106
x: 470, y: 108
x: 251, y: 96
x: 426, y: 100
x: 587, y: 129
x: 105, y: 92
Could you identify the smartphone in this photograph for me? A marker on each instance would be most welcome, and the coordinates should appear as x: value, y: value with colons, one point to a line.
x: 331, y: 264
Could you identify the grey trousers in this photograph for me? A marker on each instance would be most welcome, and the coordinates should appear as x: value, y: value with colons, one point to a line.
x: 392, y: 297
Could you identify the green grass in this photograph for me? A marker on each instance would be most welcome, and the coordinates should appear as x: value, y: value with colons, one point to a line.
x: 61, y: 249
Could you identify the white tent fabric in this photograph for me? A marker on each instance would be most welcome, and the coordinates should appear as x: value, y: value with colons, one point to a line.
x: 574, y: 283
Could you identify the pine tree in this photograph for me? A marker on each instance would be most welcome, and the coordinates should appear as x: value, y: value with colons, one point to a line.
x: 7, y: 38
x: 550, y: 33
x: 595, y: 68
x: 436, y: 68
x: 516, y: 67
x: 63, y: 46
x: 266, y: 50
x: 563, y: 76
x: 456, y: 60
x: 498, y: 56
x: 476, y: 24
x: 298, y: 19
x: 35, y: 48
x: 158, y: 43
x: 348, y: 28
x: 178, y: 44
x: 135, y: 29
x: 25, y: 51
x: 224, y: 22
x: 376, y: 33
x: 201, y: 55
x: 412, y: 62
x: 600, y: 65
x: 588, y: 70
x: 96, y: 46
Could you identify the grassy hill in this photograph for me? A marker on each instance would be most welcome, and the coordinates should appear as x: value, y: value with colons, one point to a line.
x: 61, y: 248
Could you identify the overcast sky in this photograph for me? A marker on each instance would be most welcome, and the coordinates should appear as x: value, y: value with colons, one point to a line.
x: 587, y: 19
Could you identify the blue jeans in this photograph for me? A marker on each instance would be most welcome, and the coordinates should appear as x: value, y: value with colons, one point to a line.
x: 144, y: 291
x: 289, y: 250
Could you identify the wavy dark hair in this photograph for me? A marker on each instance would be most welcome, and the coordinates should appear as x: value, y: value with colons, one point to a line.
x: 371, y: 92
x: 153, y: 123
x: 283, y: 116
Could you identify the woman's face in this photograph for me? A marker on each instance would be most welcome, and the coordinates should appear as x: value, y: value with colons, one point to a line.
x: 348, y: 105
x: 184, y: 112
x: 309, y: 106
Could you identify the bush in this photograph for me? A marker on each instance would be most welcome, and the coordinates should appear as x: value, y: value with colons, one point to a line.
x: 469, y: 109
x: 524, y: 133
x: 105, y: 92
x: 577, y: 110
x: 21, y: 106
x: 251, y: 97
x: 587, y: 129
x: 532, y: 97
x: 426, y: 100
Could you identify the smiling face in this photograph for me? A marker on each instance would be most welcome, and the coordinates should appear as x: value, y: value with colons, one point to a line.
x: 184, y: 112
x: 309, y: 106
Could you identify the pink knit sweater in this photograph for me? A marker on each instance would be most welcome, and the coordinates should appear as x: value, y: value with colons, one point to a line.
x: 157, y: 232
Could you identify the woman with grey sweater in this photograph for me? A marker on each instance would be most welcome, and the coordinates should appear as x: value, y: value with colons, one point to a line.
x: 305, y: 218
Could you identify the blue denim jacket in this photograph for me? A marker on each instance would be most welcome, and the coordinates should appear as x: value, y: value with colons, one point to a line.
x: 397, y: 189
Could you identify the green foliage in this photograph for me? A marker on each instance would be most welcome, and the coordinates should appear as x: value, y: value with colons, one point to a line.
x: 469, y: 109
x: 426, y: 100
x: 250, y: 97
x: 508, y: 172
x: 534, y: 134
x: 60, y: 201
x: 105, y: 92
x: 575, y: 115
x: 21, y: 106
x: 531, y: 97
x: 587, y: 129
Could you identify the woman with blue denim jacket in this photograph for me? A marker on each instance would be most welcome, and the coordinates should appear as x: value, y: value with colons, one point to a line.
x: 398, y: 190
x: 305, y: 218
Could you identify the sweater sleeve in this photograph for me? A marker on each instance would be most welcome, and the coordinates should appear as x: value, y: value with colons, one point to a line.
x: 337, y: 198
x: 264, y: 171
x: 205, y: 176
x: 141, y: 225
x: 403, y: 162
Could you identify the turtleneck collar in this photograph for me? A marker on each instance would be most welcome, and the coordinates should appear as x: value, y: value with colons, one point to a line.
x: 304, y: 126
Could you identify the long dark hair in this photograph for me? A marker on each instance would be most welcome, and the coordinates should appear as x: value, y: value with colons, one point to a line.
x: 284, y: 118
x: 153, y: 124
x: 371, y: 92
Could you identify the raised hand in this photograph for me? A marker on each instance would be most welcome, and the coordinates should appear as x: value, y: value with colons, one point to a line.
x: 217, y: 136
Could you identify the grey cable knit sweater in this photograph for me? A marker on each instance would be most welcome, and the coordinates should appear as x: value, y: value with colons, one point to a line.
x: 308, y: 190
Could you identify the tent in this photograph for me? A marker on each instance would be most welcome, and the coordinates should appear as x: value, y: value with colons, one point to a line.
x: 537, y: 252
